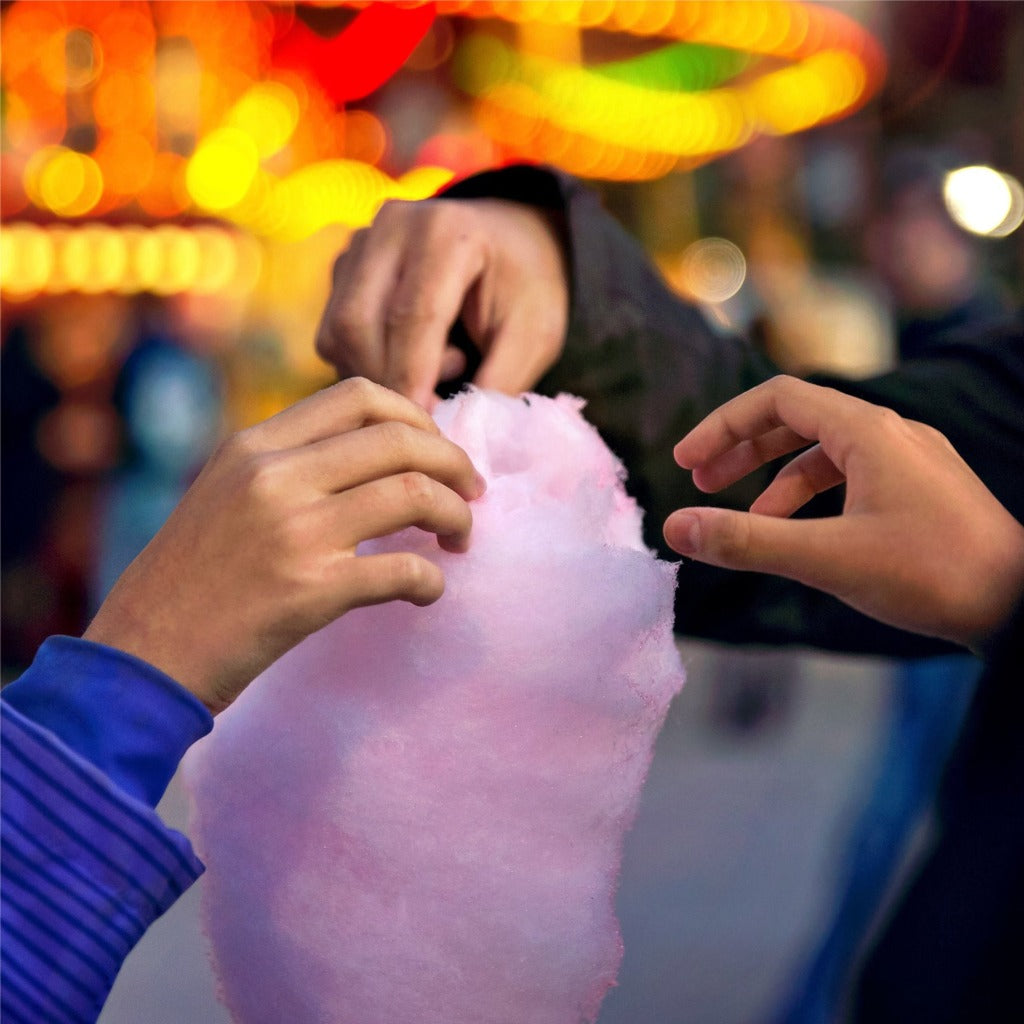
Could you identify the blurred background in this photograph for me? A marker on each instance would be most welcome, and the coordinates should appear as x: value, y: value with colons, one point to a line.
x: 840, y: 180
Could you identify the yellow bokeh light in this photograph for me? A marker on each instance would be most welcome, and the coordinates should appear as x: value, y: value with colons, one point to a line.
x: 66, y: 182
x: 222, y: 169
x: 99, y: 258
x: 91, y: 260
x: 422, y: 182
x: 26, y: 260
x: 179, y: 259
x: 146, y: 260
x: 268, y: 113
x: 218, y: 260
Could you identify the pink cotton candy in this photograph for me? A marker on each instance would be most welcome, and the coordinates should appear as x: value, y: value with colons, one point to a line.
x: 417, y: 816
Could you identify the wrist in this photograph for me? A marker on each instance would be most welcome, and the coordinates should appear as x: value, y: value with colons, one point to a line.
x: 1001, y: 592
x: 159, y: 644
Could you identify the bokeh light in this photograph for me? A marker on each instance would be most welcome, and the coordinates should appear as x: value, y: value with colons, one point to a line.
x: 232, y: 110
x: 712, y: 270
x: 26, y: 260
x: 984, y: 201
x: 97, y: 258
x: 63, y: 181
x: 677, y: 105
x: 222, y: 169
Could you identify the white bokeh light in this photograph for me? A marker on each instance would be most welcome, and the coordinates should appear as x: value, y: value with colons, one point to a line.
x: 713, y: 269
x: 984, y: 201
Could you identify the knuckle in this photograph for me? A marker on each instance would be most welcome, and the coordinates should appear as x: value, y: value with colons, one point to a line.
x: 786, y: 384
x: 392, y: 209
x: 239, y: 447
x: 404, y: 312
x: 930, y: 434
x: 419, y: 491
x: 352, y: 317
x: 324, y: 344
x: 409, y: 571
x: 888, y: 420
x: 262, y: 477
x: 358, y: 390
x: 342, y: 259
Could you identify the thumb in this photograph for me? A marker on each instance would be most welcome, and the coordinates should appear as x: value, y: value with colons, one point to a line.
x: 808, y: 550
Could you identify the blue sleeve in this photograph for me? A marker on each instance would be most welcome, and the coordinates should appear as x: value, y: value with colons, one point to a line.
x: 129, y: 719
x: 86, y: 866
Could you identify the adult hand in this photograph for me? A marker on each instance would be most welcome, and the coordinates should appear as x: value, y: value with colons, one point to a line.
x: 921, y: 543
x: 404, y: 282
x: 261, y: 550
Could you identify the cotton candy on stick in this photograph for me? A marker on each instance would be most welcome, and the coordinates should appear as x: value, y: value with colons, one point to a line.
x: 417, y: 815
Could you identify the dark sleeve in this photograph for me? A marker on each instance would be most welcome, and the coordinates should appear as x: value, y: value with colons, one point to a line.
x: 651, y: 366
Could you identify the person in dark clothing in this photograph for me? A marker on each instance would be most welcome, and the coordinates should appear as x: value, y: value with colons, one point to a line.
x: 516, y: 279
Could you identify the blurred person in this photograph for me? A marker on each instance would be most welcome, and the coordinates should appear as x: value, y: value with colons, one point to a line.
x: 932, y: 269
x: 60, y: 436
x: 260, y: 552
x: 169, y: 399
x: 518, y: 280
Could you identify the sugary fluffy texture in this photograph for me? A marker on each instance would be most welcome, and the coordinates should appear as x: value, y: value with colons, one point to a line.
x: 418, y: 814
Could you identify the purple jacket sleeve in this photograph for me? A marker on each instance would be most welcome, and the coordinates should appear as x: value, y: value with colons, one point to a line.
x: 87, y: 864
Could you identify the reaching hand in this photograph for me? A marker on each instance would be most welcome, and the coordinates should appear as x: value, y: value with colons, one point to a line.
x: 404, y: 282
x: 261, y: 550
x: 921, y: 543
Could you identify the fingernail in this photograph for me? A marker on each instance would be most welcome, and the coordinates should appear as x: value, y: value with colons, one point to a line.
x: 481, y: 485
x: 686, y: 534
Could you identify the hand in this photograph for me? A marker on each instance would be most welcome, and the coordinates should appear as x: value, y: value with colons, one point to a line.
x: 921, y: 543
x: 261, y: 550
x: 404, y: 282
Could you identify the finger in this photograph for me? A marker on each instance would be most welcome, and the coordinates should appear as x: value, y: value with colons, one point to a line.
x: 819, y: 552
x: 812, y: 412
x: 344, y: 406
x: 518, y: 355
x: 453, y: 363
x: 351, y: 331
x: 382, y: 450
x: 735, y: 463
x: 385, y: 506
x: 425, y: 303
x: 397, y: 576
x: 811, y: 472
